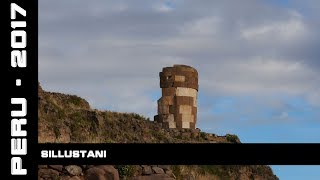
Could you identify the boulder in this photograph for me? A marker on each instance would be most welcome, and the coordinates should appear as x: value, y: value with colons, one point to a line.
x: 103, y: 172
x: 56, y: 167
x: 74, y: 170
x: 48, y: 173
x: 158, y: 170
x: 146, y: 170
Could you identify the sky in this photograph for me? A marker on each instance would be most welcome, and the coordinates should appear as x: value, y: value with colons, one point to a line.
x: 258, y: 60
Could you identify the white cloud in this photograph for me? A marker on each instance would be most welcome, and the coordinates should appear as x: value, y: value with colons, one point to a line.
x: 289, y: 30
x: 202, y: 26
x: 259, y: 76
x: 164, y: 8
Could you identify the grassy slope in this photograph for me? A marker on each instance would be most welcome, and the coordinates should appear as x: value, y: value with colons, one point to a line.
x: 69, y: 119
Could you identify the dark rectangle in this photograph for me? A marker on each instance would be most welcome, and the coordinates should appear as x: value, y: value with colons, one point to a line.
x: 20, y: 83
x: 223, y: 154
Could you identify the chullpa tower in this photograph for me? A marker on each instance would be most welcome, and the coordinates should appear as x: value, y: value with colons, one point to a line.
x: 177, y: 108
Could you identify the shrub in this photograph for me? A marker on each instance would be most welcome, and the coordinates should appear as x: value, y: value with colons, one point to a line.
x: 75, y: 100
x: 232, y: 138
x: 125, y: 170
x: 138, y: 116
x: 203, y: 135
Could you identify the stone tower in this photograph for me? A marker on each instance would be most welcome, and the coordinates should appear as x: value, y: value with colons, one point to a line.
x: 177, y: 108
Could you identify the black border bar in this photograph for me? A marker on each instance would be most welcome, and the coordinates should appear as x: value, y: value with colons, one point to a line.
x: 29, y: 82
x: 223, y: 154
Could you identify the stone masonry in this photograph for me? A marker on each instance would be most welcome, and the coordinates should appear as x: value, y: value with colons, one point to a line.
x: 177, y: 108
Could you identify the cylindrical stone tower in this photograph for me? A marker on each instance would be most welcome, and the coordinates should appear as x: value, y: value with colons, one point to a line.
x: 177, y: 108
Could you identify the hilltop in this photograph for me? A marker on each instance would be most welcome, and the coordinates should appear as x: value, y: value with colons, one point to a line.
x: 70, y: 119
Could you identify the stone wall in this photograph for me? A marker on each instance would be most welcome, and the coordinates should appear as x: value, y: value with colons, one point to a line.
x: 177, y: 108
x: 103, y: 172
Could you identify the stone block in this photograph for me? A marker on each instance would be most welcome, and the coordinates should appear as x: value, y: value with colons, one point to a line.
x: 179, y: 124
x: 166, y: 84
x: 185, y: 109
x: 182, y: 91
x: 179, y: 84
x: 163, y: 109
x: 169, y: 118
x: 166, y: 100
x: 172, y: 109
x: 184, y: 100
x: 184, y: 117
x: 185, y: 125
x: 172, y: 125
x: 194, y: 110
x: 179, y: 78
x: 170, y: 91
x: 192, y: 125
x: 187, y: 118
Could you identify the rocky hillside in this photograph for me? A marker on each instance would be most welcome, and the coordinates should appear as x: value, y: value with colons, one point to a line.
x: 154, y: 172
x: 69, y: 119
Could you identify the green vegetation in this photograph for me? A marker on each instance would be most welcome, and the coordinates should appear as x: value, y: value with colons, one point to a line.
x: 203, y: 135
x: 232, y: 138
x: 125, y: 170
x: 76, y: 100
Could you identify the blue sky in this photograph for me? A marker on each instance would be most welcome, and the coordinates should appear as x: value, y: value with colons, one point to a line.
x: 297, y: 172
x: 258, y: 61
x: 296, y: 121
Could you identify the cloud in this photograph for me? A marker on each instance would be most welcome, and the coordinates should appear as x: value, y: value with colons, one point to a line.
x: 110, y: 52
x: 164, y: 7
x: 201, y: 27
x: 290, y: 30
x: 259, y: 75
